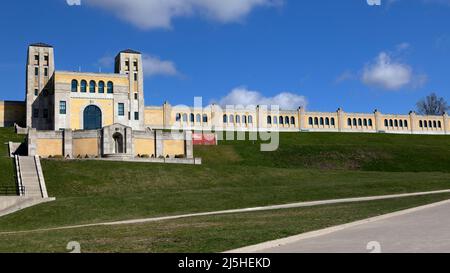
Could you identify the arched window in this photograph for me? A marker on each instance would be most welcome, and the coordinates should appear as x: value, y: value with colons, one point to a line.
x: 225, y: 119
x: 365, y: 122
x: 74, y: 86
x: 110, y: 87
x: 101, y: 87
x: 83, y: 86
x: 286, y: 120
x: 425, y: 123
x: 360, y: 122
x: 434, y: 124
x: 405, y: 123
x: 333, y: 123
x: 355, y: 123
x: 92, y: 86
x: 370, y: 123
x: 281, y: 120
x: 391, y: 123
x: 349, y: 122
x: 238, y: 119
x: 396, y: 123
x: 420, y: 124
x: 92, y: 118
x: 250, y: 119
x: 400, y: 123
x: 327, y: 121
x: 322, y: 121
x: 316, y: 121
x: 430, y: 124
x: 292, y: 120
x: 310, y: 121
x: 244, y: 119
x: 178, y: 117
x: 386, y: 124
x: 275, y: 120
x: 198, y: 118
x: 185, y: 118
x: 269, y: 120
x: 192, y: 118
x: 205, y: 118
x: 439, y: 124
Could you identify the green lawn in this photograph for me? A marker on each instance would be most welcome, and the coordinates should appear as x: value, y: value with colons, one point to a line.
x: 207, y: 234
x: 308, y: 166
x: 6, y: 163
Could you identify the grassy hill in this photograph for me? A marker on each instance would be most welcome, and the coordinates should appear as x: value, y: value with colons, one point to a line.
x: 235, y: 174
x: 6, y: 163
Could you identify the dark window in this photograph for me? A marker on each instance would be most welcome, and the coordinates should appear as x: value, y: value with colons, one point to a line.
x: 135, y: 77
x: 127, y: 65
x: 327, y: 121
x: 110, y: 88
x: 322, y: 121
x: 121, y: 109
x: 135, y: 96
x: 62, y: 107
x: 391, y: 123
x: 135, y: 64
x: 355, y: 122
x: 360, y: 122
x: 430, y: 124
x: 292, y: 120
x: 192, y: 118
x: 316, y: 121
x: 136, y: 115
x: 36, y: 59
x: 269, y: 120
x: 365, y: 122
x: 405, y: 123
x: 310, y: 121
x: 36, y: 71
x: 45, y: 113
x: 225, y: 119
x: 46, y: 72
x: 178, y: 117
x: 35, y: 113
x: 400, y: 123
x: 349, y: 122
x: 420, y: 124
x: 101, y: 87
x: 386, y: 124
x: 332, y: 122
x: 238, y: 119
x: 36, y: 92
x: 74, y: 86
x: 92, y: 86
x: 83, y: 86
x: 396, y: 123
x: 425, y: 123
x: 205, y: 118
x: 281, y: 121
x: 92, y: 118
x: 434, y: 124
x: 439, y: 124
x: 370, y: 123
x: 286, y: 120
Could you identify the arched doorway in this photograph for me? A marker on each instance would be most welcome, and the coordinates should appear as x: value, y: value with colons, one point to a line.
x: 118, y: 143
x: 92, y: 118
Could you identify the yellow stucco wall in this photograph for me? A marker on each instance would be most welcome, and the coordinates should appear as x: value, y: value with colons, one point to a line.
x: 85, y: 146
x: 173, y: 147
x: 154, y: 117
x: 144, y: 147
x: 77, y: 107
x: 12, y: 112
x: 49, y: 147
x: 61, y: 77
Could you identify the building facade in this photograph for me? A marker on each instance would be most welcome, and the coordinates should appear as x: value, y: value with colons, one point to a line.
x: 62, y: 100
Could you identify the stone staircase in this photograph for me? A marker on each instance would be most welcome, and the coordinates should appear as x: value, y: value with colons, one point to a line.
x: 31, y: 176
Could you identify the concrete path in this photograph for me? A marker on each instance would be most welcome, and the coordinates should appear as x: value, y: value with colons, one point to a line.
x: 223, y: 212
x: 423, y: 229
x: 30, y: 176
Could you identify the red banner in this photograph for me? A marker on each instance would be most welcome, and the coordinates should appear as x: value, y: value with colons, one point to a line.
x: 204, y: 139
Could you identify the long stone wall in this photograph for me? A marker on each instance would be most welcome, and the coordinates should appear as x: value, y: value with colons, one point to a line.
x: 215, y: 118
x: 96, y: 143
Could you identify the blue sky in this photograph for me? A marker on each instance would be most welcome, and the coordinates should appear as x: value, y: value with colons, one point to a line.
x: 331, y: 53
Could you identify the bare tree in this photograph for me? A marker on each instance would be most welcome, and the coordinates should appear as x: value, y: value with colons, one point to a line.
x: 432, y: 105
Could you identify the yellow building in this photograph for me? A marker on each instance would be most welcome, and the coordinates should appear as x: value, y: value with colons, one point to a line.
x: 75, y: 114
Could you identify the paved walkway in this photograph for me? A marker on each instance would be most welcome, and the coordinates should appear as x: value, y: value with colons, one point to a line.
x: 424, y: 229
x: 223, y: 212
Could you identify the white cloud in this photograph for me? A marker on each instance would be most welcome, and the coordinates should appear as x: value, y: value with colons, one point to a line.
x: 241, y: 96
x: 148, y: 14
x: 154, y: 66
x: 388, y: 74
